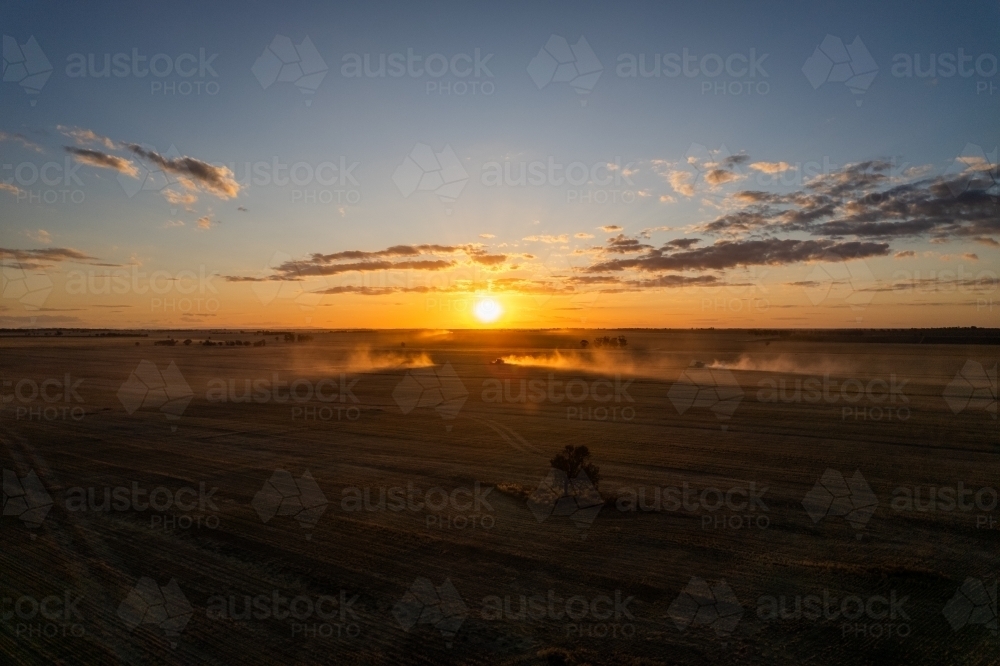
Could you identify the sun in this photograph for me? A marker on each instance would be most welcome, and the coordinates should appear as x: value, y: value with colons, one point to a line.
x: 487, y: 310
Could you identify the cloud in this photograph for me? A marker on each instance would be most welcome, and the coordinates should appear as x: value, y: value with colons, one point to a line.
x: 40, y: 236
x: 179, y: 198
x: 242, y: 209
x: 85, y: 137
x: 771, y: 167
x: 717, y: 177
x: 666, y: 198
x: 862, y: 201
x: 170, y: 224
x: 9, y: 187
x: 734, y: 161
x: 903, y: 254
x: 583, y: 235
x: 487, y: 236
x: 304, y: 268
x: 609, y: 228
x: 394, y: 251
x: 36, y: 321
x: 205, y: 222
x: 683, y: 243
x: 729, y: 254
x: 984, y: 240
x: 682, y: 182
x: 23, y: 140
x: 101, y: 160
x: 489, y: 259
x: 217, y: 180
x: 621, y: 244
x: 970, y: 256
x: 545, y: 238
x: 49, y: 255
x: 918, y: 171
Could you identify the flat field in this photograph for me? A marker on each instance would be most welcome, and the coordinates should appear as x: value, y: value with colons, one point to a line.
x: 387, y: 497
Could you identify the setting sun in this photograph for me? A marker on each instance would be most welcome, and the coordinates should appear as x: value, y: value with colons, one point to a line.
x: 487, y: 310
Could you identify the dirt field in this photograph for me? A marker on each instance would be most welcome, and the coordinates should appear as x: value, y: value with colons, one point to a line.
x: 381, y: 497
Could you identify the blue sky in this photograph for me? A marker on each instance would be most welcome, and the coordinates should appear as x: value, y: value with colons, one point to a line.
x: 652, y: 127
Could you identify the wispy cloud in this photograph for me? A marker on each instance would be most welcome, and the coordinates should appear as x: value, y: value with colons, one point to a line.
x: 40, y: 236
x: 771, y: 167
x: 21, y: 139
x: 101, y: 160
x: 546, y: 238
x: 86, y: 137
x: 217, y: 180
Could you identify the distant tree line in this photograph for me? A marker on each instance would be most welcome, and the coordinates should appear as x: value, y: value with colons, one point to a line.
x: 606, y: 341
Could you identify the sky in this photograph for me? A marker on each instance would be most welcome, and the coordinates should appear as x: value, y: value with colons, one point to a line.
x: 527, y: 165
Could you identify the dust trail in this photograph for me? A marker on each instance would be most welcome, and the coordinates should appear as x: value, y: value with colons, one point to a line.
x: 667, y: 366
x: 788, y: 364
x: 604, y: 363
x: 433, y: 335
x: 364, y: 359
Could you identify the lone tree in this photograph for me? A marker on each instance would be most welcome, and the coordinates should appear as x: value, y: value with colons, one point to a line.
x: 575, y: 459
x: 584, y: 343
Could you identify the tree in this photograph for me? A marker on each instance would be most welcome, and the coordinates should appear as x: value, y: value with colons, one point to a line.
x: 622, y: 341
x: 584, y: 344
x: 575, y: 459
